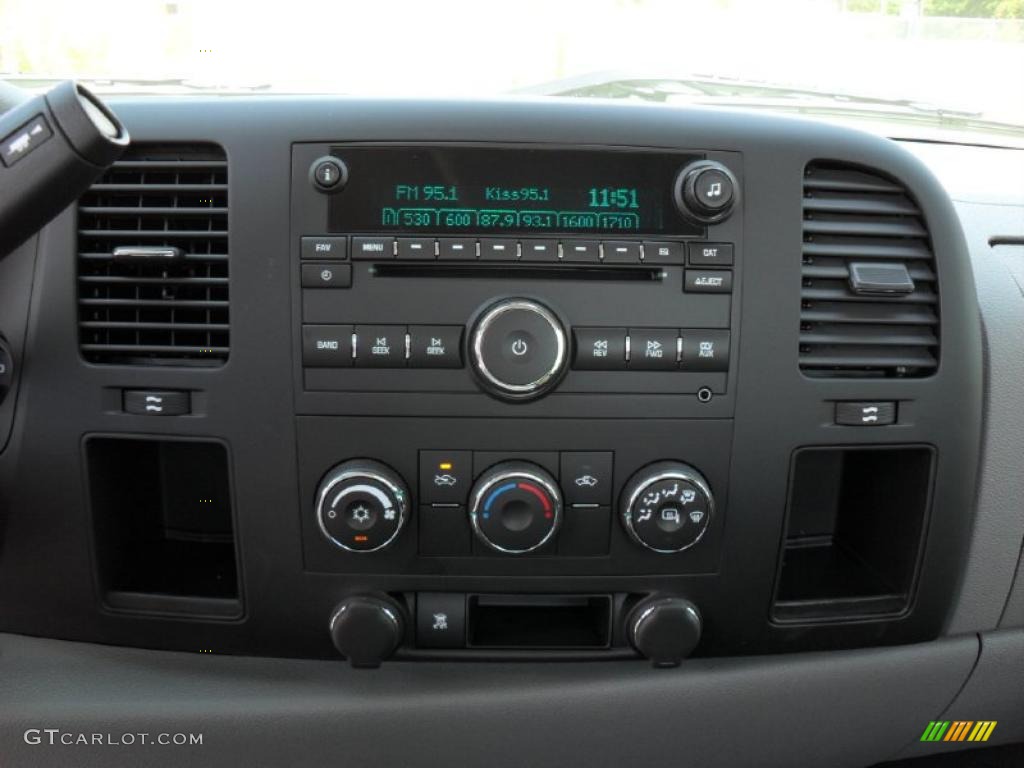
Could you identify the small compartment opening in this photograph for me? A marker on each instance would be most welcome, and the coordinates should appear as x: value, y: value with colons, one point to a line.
x: 162, y: 519
x: 539, y: 621
x: 854, y: 531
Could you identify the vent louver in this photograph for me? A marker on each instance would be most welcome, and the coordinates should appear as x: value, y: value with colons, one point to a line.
x: 856, y: 217
x: 153, y: 258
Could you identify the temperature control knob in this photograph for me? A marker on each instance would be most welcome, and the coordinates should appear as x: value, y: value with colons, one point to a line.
x: 361, y: 505
x: 667, y: 506
x: 706, y: 191
x: 515, y: 507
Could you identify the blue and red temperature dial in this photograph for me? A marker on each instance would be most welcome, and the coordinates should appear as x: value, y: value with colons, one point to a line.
x: 515, y: 507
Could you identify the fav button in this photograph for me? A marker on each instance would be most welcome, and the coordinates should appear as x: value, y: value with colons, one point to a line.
x: 325, y: 247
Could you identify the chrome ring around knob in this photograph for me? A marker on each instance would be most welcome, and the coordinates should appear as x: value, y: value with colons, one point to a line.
x: 393, y: 495
x: 642, y: 481
x: 505, y: 472
x: 546, y: 379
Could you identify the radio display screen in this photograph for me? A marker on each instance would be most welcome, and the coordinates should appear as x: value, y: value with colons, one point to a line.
x: 438, y: 190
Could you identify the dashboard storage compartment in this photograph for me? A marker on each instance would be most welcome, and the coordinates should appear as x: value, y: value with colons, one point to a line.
x: 854, y: 532
x: 162, y: 520
x: 539, y: 621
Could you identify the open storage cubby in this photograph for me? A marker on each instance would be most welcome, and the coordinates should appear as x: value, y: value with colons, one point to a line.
x: 854, y: 532
x: 163, y: 525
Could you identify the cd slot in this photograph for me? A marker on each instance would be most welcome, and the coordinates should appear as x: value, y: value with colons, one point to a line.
x: 521, y: 272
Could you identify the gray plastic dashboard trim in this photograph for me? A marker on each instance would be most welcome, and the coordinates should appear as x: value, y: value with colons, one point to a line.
x: 847, y: 708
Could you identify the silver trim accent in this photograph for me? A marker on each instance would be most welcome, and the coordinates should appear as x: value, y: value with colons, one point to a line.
x: 355, y: 344
x: 408, y: 345
x: 668, y: 471
x: 679, y: 349
x: 656, y: 603
x: 521, y: 470
x: 628, y: 347
x: 362, y: 470
x: 481, y: 328
x: 386, y: 609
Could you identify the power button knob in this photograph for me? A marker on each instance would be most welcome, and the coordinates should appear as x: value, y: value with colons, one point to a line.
x: 518, y: 349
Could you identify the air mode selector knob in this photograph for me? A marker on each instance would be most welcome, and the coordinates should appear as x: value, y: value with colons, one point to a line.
x: 362, y: 505
x: 667, y: 507
x: 518, y: 349
x: 515, y: 507
x: 706, y: 192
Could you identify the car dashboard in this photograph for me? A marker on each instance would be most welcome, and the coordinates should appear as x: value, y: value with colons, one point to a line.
x: 691, y: 422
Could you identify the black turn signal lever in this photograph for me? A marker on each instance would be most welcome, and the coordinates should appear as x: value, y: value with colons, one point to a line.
x: 52, y: 147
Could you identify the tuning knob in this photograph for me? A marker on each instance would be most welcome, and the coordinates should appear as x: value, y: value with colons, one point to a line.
x: 706, y: 192
x: 515, y: 507
x: 361, y: 505
x: 667, y: 506
x: 664, y: 629
x: 366, y: 629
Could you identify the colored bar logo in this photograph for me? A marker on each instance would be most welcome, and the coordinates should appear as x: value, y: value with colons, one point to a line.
x: 958, y: 730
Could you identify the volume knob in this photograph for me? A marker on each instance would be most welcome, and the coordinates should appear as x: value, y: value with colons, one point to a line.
x: 518, y: 349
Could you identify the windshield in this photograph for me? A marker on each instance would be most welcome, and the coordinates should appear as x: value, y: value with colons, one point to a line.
x: 959, y: 62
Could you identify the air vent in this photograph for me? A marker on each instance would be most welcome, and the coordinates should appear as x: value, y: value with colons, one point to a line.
x: 870, y: 305
x: 153, y: 258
